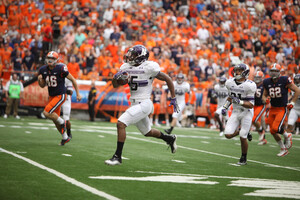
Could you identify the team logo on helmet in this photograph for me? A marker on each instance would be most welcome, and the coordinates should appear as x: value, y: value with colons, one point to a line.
x: 258, y: 76
x: 136, y: 55
x: 275, y: 71
x: 52, y: 58
x: 245, y: 71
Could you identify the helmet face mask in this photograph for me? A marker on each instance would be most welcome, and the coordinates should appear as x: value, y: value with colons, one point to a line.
x: 222, y: 81
x: 136, y: 55
x: 51, y: 58
x: 258, y: 77
x: 180, y: 78
x: 243, y: 70
x: 275, y: 71
x: 297, y: 80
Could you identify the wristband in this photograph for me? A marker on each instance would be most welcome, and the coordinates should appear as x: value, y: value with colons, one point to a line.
x: 241, y: 102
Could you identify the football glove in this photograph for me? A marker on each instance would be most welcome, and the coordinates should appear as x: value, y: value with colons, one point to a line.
x: 224, y: 111
x: 290, y: 105
x: 236, y: 100
x: 118, y: 75
x: 173, y: 103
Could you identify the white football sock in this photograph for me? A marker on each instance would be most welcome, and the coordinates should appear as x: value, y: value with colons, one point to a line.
x: 285, y: 134
x: 60, y: 120
x: 280, y: 143
x: 65, y: 136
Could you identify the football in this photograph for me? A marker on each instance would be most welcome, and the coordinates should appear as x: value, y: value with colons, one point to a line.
x: 123, y: 79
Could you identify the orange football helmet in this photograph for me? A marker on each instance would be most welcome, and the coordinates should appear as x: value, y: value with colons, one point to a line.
x: 52, y: 58
x: 258, y: 77
x: 275, y: 71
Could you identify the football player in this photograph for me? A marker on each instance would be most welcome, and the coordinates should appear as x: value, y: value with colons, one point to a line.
x: 241, y: 94
x: 259, y: 107
x: 295, y: 111
x: 142, y: 72
x: 222, y: 94
x: 181, y: 87
x: 53, y: 75
x: 66, y: 107
x: 276, y: 87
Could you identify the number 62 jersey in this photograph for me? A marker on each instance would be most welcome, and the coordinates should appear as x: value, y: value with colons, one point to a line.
x: 244, y: 91
x: 278, y: 91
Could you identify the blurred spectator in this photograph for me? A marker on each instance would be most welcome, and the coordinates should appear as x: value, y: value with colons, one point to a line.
x: 17, y: 62
x: 13, y: 91
x: 73, y: 67
x: 2, y: 98
x: 28, y: 61
x: 92, y: 101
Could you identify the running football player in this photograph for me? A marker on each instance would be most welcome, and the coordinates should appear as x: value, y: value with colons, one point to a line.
x: 181, y: 87
x: 295, y: 111
x: 276, y: 87
x: 53, y: 75
x: 241, y: 94
x: 142, y: 72
x: 259, y: 107
x: 222, y: 94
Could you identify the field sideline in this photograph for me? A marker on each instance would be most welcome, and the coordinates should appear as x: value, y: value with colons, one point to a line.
x: 33, y: 166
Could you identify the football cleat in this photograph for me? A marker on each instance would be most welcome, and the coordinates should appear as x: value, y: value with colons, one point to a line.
x: 172, y: 143
x: 249, y: 136
x: 63, y: 142
x: 261, y: 135
x: 221, y: 133
x: 115, y: 160
x: 63, y: 128
x: 288, y: 141
x: 283, y: 152
x: 242, y: 161
x: 263, y: 142
x: 168, y: 131
x: 70, y: 135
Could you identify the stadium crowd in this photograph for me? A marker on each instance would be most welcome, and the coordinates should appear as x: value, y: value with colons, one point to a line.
x: 201, y: 39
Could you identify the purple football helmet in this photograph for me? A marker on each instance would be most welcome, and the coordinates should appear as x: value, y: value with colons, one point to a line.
x: 245, y: 71
x: 136, y: 55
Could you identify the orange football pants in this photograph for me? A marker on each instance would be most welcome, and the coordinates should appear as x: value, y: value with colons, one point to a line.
x: 55, y: 103
x: 277, y: 119
x: 258, y: 113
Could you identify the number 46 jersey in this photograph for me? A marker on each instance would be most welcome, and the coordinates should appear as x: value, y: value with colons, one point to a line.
x: 278, y: 91
x: 141, y: 79
x: 244, y: 91
x: 55, y: 78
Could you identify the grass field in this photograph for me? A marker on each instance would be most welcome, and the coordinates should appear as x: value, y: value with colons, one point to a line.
x: 33, y: 166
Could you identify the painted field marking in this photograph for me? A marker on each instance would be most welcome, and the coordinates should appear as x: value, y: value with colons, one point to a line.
x: 125, y: 158
x: 101, y: 136
x: 178, y: 161
x: 111, y: 132
x: 205, y: 142
x: 234, y: 164
x: 62, y: 176
x: 67, y: 155
x: 267, y: 187
x: 28, y: 132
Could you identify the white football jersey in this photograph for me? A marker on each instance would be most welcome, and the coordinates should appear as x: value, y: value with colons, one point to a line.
x: 180, y: 90
x: 244, y: 91
x: 297, y: 104
x: 222, y: 94
x: 141, y: 79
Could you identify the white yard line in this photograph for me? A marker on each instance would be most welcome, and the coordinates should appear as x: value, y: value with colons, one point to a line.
x: 62, y: 176
x: 113, y: 132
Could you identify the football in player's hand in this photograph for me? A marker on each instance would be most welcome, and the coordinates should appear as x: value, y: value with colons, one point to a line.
x: 122, y: 77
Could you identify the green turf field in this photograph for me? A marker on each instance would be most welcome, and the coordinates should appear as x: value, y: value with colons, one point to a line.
x: 33, y: 166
